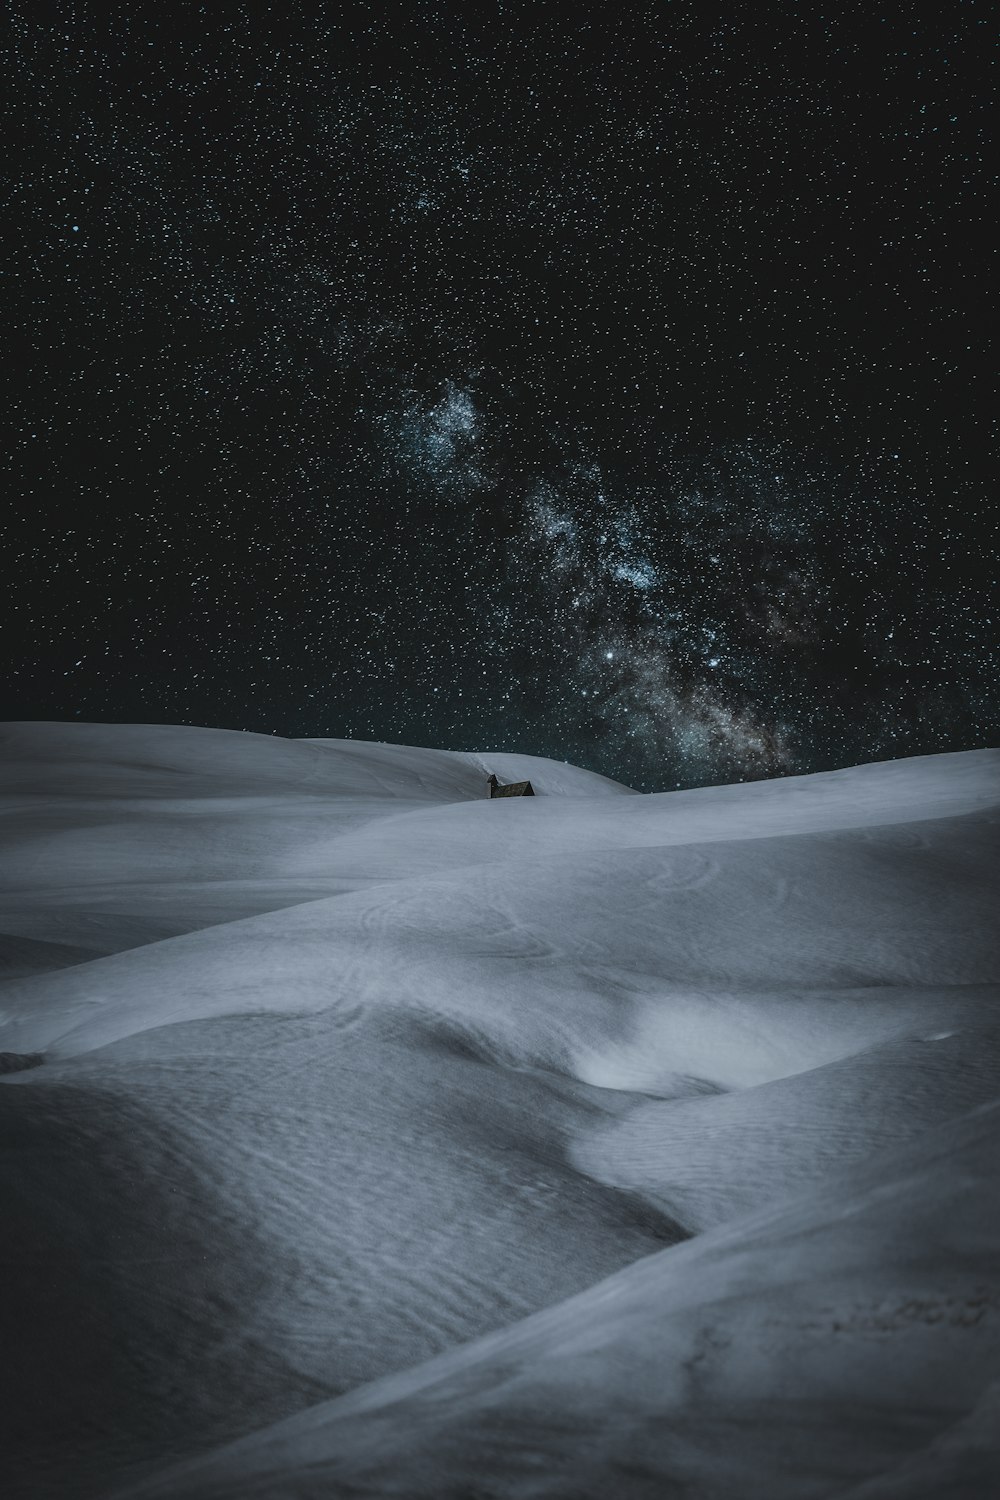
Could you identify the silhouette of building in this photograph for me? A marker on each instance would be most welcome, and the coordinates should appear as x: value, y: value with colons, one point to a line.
x: 495, y: 788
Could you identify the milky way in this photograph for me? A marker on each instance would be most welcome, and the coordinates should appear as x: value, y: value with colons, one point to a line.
x: 673, y: 622
x: 610, y: 387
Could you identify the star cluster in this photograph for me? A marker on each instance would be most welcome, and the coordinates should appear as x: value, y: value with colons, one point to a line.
x: 610, y: 385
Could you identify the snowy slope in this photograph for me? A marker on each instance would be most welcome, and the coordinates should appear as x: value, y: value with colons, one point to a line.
x: 117, y: 835
x: 853, y: 1332
x: 346, y: 1065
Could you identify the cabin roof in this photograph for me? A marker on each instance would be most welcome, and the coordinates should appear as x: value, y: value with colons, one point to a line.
x: 512, y: 788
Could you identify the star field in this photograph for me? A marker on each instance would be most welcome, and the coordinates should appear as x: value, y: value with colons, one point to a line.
x: 608, y: 386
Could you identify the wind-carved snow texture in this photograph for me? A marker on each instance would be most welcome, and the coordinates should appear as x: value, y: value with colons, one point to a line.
x: 367, y: 1136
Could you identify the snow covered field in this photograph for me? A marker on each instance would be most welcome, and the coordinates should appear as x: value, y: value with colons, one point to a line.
x: 363, y: 1136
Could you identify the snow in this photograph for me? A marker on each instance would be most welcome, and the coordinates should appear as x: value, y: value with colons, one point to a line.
x: 426, y: 1144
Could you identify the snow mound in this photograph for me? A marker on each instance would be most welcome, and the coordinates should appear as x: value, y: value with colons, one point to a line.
x: 468, y: 771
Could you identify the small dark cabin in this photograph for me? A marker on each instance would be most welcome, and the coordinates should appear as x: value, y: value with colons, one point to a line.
x: 495, y: 788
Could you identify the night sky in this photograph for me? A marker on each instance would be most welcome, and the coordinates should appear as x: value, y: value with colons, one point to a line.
x: 607, y: 382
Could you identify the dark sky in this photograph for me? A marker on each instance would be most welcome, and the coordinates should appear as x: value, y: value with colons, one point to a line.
x: 607, y: 382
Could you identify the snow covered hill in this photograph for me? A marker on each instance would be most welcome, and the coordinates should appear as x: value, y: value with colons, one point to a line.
x: 423, y: 1144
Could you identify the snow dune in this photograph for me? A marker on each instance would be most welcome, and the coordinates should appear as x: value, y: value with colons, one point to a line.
x: 592, y: 1144
x: 843, y: 1344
